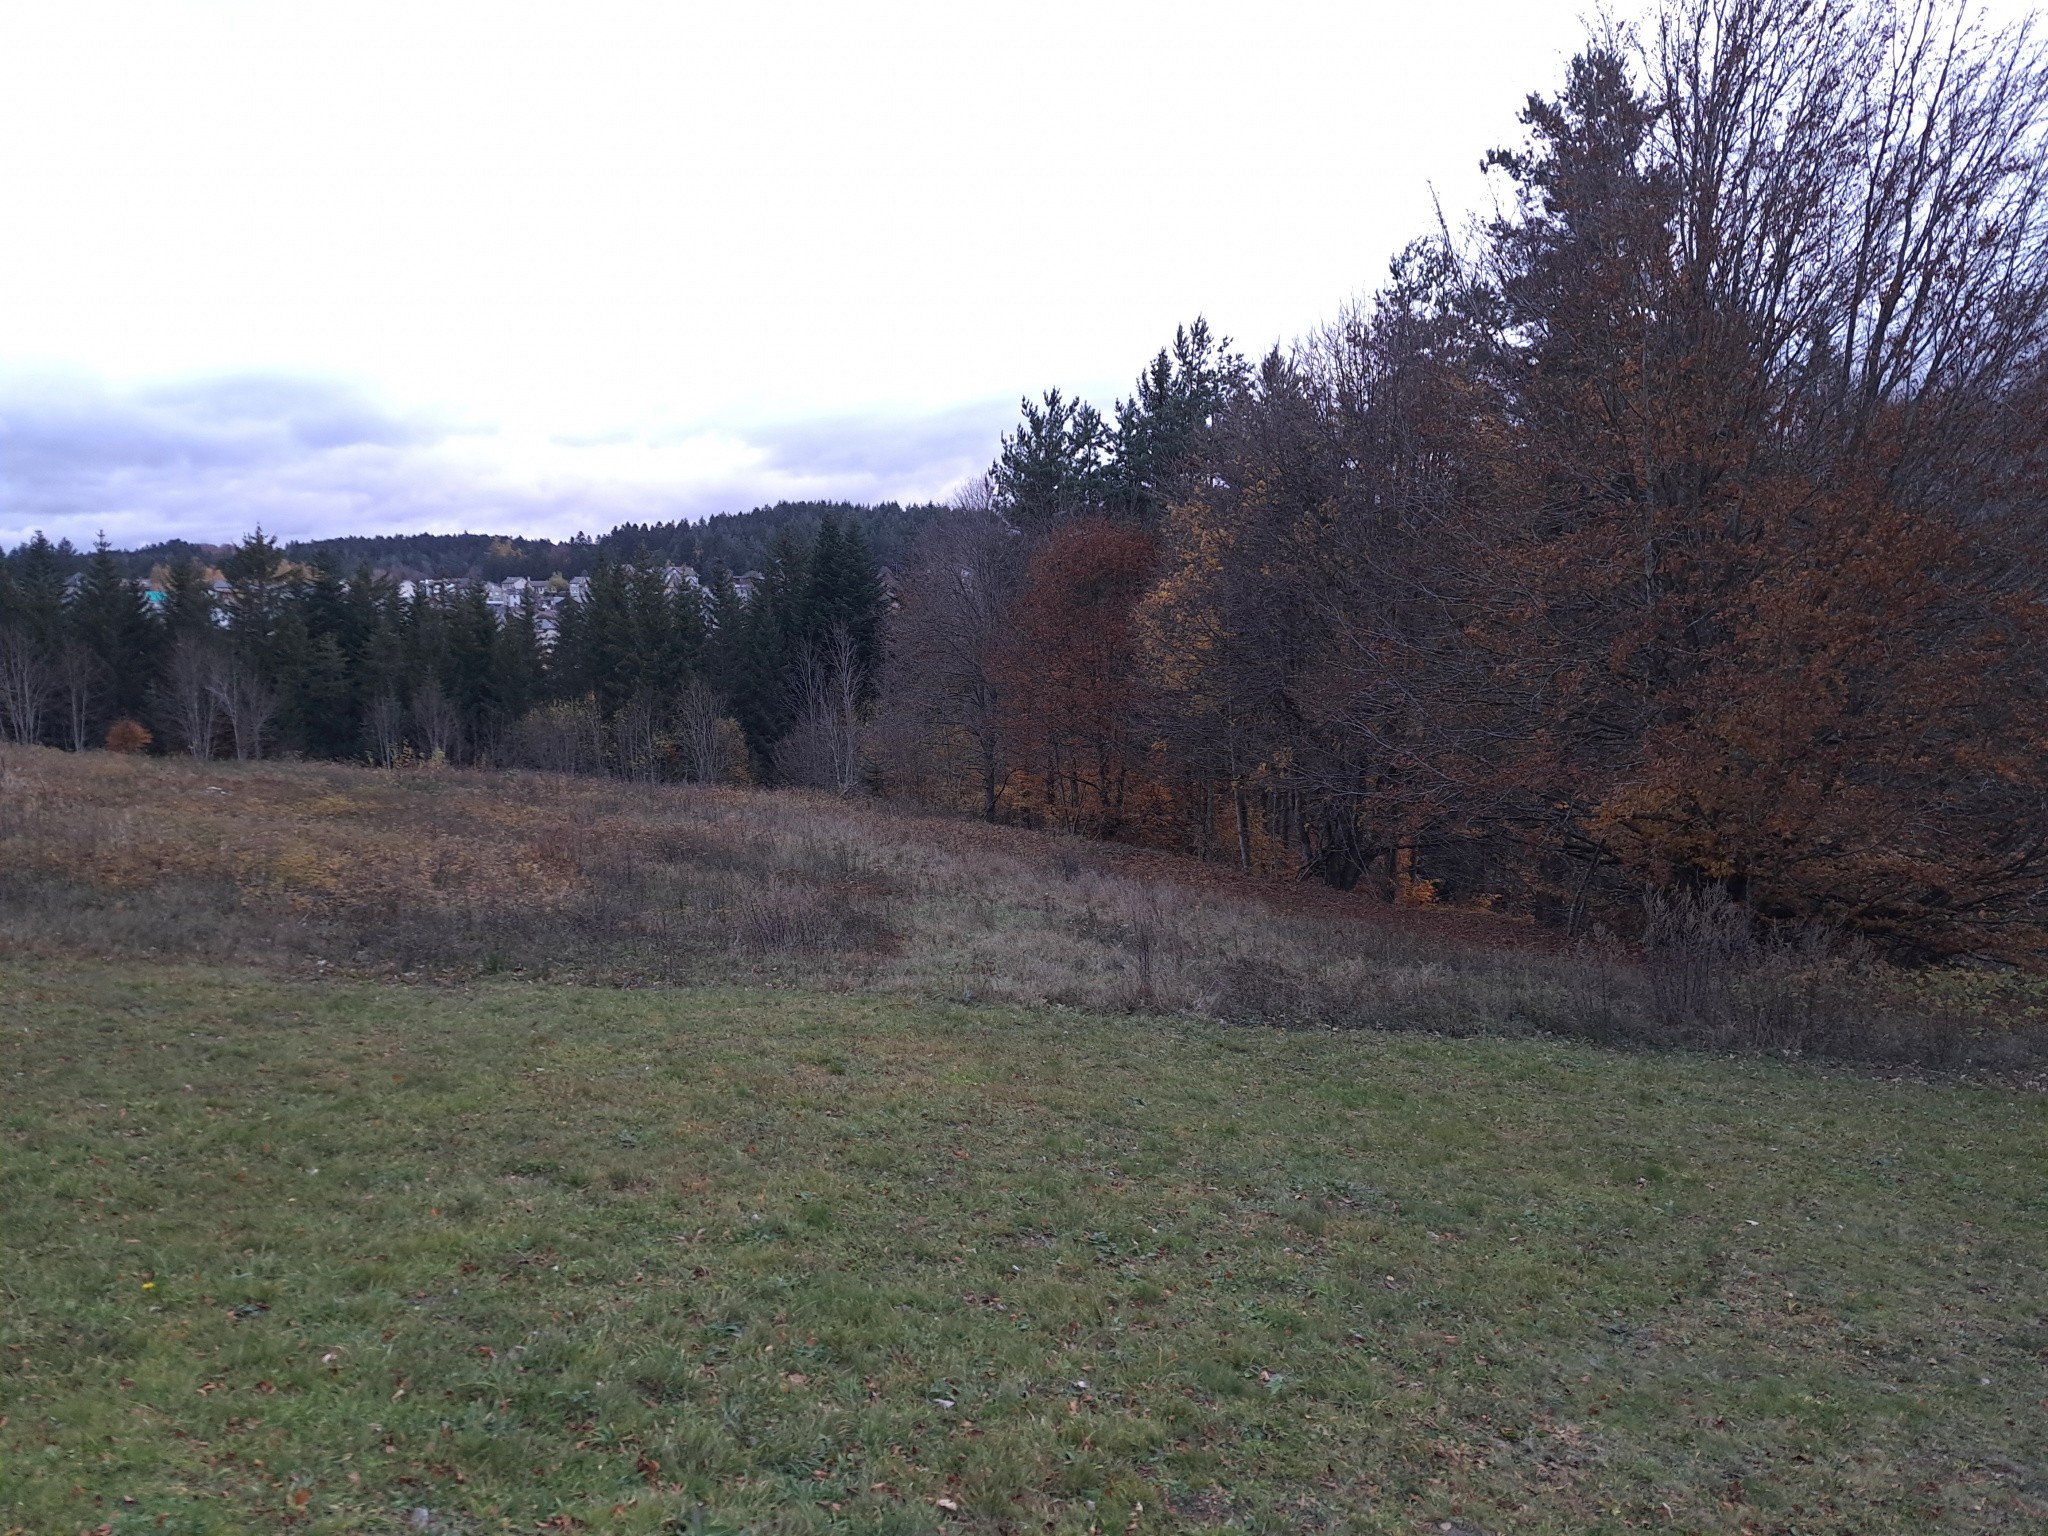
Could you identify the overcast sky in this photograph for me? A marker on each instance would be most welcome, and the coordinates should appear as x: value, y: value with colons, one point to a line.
x: 530, y: 268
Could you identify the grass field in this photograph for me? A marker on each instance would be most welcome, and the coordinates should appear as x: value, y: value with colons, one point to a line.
x: 345, y: 1255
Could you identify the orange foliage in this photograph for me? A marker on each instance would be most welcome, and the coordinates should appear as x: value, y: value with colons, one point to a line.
x: 128, y: 736
x: 1070, y: 667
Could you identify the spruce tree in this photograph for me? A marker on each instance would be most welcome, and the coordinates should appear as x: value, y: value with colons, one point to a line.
x: 772, y: 635
x: 108, y: 621
x: 518, y: 669
x: 725, y: 621
x: 189, y: 608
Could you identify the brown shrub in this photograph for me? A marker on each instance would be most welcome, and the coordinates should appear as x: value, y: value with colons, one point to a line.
x: 128, y: 736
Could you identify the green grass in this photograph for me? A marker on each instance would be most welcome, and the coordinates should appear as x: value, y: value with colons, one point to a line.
x: 320, y: 1256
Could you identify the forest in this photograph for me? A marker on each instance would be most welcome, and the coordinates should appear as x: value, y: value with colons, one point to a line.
x: 737, y: 540
x: 1676, y: 531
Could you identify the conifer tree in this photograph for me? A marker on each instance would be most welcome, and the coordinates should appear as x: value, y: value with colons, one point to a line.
x: 108, y: 620
x: 190, y: 612
x: 518, y: 667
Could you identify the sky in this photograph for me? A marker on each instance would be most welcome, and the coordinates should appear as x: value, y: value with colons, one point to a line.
x: 530, y: 268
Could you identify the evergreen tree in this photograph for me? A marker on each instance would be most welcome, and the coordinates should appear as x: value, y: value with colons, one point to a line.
x: 470, y: 676
x: 518, y: 667
x: 725, y: 622
x: 606, y: 657
x: 189, y: 607
x: 37, y: 599
x: 1056, y: 465
x: 843, y: 594
x: 772, y: 636
x: 327, y: 721
x: 1159, y: 430
x: 109, y: 622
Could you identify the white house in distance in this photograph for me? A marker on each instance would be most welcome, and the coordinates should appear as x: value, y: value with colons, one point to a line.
x: 505, y: 598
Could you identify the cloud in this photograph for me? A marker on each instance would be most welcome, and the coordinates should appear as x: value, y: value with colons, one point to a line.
x: 207, y: 459
x: 879, y: 449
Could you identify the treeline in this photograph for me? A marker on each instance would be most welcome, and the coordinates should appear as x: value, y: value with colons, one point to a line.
x: 643, y: 675
x: 739, y: 541
x: 1681, y: 530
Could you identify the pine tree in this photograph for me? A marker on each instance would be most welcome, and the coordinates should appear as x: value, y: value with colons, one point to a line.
x: 518, y: 664
x: 772, y: 635
x: 108, y: 620
x: 1056, y: 465
x: 864, y: 603
x: 1159, y: 430
x: 189, y: 608
x: 38, y: 594
x: 470, y: 674
x: 725, y: 621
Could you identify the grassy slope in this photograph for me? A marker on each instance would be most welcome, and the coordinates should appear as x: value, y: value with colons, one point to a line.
x: 796, y: 1260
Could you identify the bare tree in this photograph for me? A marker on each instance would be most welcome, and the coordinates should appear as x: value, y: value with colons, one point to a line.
x: 566, y: 736
x: 185, y: 696
x: 823, y: 749
x: 246, y: 700
x: 435, y: 717
x: 698, y: 711
x: 941, y: 687
x: 25, y: 685
x: 385, y: 721
x: 636, y: 738
x: 78, y: 676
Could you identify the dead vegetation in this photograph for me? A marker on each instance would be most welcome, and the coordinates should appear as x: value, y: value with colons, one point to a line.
x: 446, y: 874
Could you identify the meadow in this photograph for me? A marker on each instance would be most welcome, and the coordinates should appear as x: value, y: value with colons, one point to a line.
x: 446, y: 875
x: 827, y: 1169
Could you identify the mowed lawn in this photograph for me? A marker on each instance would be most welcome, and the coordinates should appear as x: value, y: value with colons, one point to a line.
x: 353, y: 1257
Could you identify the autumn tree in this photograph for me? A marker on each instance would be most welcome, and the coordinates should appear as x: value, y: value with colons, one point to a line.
x: 1069, y: 674
x: 1775, y: 294
x: 945, y: 686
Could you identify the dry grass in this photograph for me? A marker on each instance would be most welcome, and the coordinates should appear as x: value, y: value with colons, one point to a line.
x: 449, y: 874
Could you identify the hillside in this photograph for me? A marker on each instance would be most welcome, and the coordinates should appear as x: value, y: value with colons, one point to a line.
x: 467, y: 1152
x: 737, y: 540
x: 452, y: 874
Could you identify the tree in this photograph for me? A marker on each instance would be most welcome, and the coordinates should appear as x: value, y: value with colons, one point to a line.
x: 1056, y: 465
x: 245, y: 701
x: 109, y: 621
x: 772, y: 639
x: 184, y: 696
x: 702, y: 725
x: 822, y: 747
x: 189, y: 609
x: 1161, y: 428
x: 34, y: 597
x: 1775, y: 295
x: 1069, y: 673
x: 25, y: 685
x: 943, y: 692
x: 78, y: 678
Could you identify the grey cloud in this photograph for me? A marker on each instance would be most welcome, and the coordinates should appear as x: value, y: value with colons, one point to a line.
x: 305, y: 457
x: 257, y: 412
x: 57, y: 429
x: 882, y: 448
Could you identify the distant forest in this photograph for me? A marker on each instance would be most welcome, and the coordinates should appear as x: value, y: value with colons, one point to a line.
x: 739, y: 541
x: 1675, y: 539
